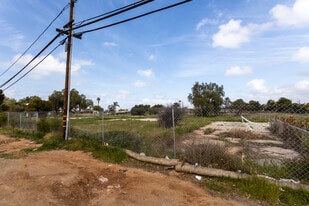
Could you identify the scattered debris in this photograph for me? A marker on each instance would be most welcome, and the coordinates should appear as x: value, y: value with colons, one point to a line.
x: 199, y: 178
x: 289, y: 180
x: 103, y: 179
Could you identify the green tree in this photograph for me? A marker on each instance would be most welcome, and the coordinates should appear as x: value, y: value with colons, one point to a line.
x: 89, y: 103
x: 283, y: 104
x: 12, y: 105
x: 155, y: 109
x: 2, y: 96
x: 140, y: 109
x: 270, y: 105
x: 254, y: 105
x: 56, y: 98
x: 83, y: 102
x: 238, y: 106
x: 206, y: 98
x: 97, y: 108
x: 37, y: 104
x: 75, y: 100
x: 165, y: 117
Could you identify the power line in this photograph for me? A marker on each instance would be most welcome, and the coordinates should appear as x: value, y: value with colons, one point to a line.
x: 108, y: 13
x: 60, y: 43
x: 43, y: 32
x: 112, y: 13
x: 133, y: 18
x: 38, y: 54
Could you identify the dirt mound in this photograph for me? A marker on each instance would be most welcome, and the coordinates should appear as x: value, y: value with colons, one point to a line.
x: 75, y: 178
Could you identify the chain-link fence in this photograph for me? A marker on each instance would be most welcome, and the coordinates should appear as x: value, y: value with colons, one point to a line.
x: 22, y: 120
x: 34, y: 121
x: 269, y: 142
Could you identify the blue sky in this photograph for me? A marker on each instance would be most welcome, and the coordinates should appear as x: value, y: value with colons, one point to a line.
x: 256, y: 49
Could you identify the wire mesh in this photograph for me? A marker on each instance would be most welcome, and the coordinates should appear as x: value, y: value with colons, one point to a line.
x: 272, y: 142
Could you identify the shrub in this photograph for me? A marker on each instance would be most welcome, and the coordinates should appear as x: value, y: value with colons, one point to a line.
x: 123, y: 139
x: 140, y: 109
x: 212, y: 155
x: 52, y: 142
x: 3, y: 119
x: 165, y: 116
x: 55, y: 124
x: 43, y: 126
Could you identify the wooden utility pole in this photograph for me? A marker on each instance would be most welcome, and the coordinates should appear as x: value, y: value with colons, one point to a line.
x: 66, y: 103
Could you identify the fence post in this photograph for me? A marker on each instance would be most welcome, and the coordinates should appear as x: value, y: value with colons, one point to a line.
x: 8, y: 117
x: 174, y: 136
x: 102, y: 126
x: 20, y: 120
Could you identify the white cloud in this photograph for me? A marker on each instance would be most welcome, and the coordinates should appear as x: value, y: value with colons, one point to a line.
x: 297, y: 15
x: 77, y: 64
x: 140, y: 84
x: 122, y: 94
x: 50, y: 65
x: 157, y: 99
x: 110, y: 44
x: 257, y: 85
x: 302, y: 55
x: 296, y: 92
x: 204, y: 22
x: 302, y: 85
x: 231, y: 35
x: 145, y: 73
x: 236, y: 70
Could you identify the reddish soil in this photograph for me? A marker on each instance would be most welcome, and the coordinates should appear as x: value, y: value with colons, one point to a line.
x: 76, y: 178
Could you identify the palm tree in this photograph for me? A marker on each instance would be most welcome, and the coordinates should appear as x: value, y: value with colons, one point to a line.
x: 98, y: 99
x: 113, y: 107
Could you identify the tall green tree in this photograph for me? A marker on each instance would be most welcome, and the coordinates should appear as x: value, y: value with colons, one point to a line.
x: 254, y: 105
x: 75, y: 100
x: 37, y: 104
x: 283, y: 104
x: 155, y: 109
x: 207, y: 98
x: 1, y: 96
x: 56, y: 98
x: 270, y: 105
x: 238, y: 106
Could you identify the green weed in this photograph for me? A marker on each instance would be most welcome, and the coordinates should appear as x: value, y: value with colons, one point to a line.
x: 258, y: 189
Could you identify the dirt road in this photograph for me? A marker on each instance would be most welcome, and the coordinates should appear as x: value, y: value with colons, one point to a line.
x: 76, y: 178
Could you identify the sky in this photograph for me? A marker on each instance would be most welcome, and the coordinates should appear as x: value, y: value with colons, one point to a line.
x: 257, y: 49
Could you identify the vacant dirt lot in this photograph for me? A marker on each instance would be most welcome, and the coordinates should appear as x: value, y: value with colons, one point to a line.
x: 75, y: 178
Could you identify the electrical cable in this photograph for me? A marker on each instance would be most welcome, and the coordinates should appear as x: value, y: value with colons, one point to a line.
x: 43, y: 32
x: 110, y: 12
x: 60, y: 43
x: 42, y: 50
x: 115, y: 12
x: 133, y: 18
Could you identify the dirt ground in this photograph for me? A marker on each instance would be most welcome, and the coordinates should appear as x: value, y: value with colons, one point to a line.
x: 76, y: 178
x: 264, y: 148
